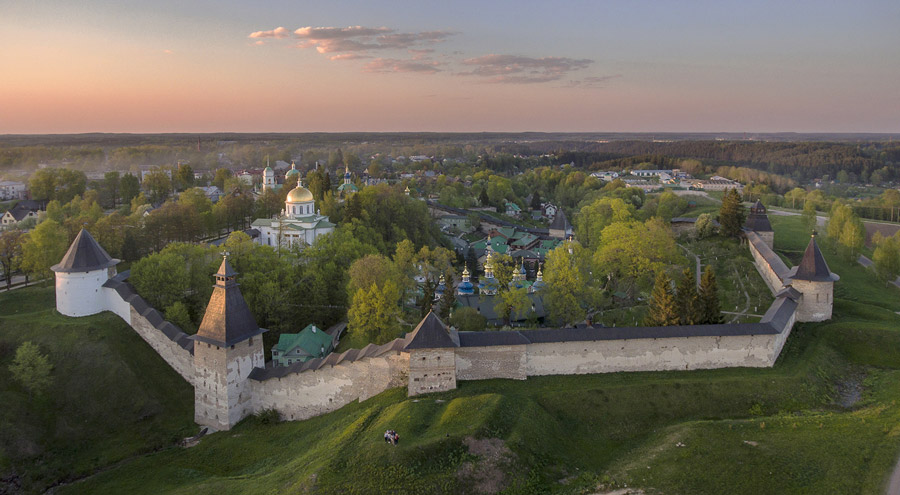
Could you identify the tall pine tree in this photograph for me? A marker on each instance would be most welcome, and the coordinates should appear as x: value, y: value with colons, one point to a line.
x: 709, y: 297
x: 448, y: 300
x: 731, y: 214
x: 687, y: 300
x: 662, y: 311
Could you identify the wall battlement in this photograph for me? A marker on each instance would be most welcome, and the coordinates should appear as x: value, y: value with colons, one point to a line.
x: 433, y: 357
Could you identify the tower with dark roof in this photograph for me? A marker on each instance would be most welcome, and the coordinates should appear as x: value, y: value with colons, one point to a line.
x: 812, y: 278
x: 81, y: 274
x: 758, y: 221
x: 227, y: 346
x: 560, y: 228
x: 432, y: 356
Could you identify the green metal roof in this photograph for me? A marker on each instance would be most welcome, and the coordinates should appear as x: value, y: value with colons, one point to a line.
x: 311, y: 339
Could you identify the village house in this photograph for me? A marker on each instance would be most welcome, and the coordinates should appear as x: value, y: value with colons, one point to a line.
x: 23, y: 210
x: 310, y: 343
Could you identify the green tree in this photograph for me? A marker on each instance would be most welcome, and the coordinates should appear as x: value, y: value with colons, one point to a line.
x: 709, y: 298
x: 110, y: 189
x: 129, y: 187
x: 564, y: 287
x: 731, y: 214
x: 886, y: 258
x: 536, y: 201
x: 593, y: 218
x: 43, y: 248
x: 161, y: 278
x: 57, y: 183
x: 853, y: 237
x: 468, y: 319
x: 31, y: 369
x: 448, y: 300
x: 513, y: 302
x: 796, y: 196
x: 184, y: 177
x: 809, y: 216
x: 372, y: 317
x: 10, y: 253
x: 687, y: 300
x: 483, y: 198
x: 662, y: 311
x: 178, y: 314
x: 158, y: 185
x: 630, y: 252
x: 222, y: 175
x: 704, y: 226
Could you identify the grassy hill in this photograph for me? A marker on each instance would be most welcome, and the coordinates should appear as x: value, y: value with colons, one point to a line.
x: 112, y: 397
x: 795, y: 428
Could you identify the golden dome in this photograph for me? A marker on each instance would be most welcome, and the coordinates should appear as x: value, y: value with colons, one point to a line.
x: 299, y: 194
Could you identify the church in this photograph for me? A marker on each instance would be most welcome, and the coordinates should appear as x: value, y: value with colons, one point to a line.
x: 299, y: 223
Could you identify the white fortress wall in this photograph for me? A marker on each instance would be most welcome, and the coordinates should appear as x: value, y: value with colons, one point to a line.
x: 686, y: 353
x: 166, y: 339
x: 322, y: 387
x: 769, y: 265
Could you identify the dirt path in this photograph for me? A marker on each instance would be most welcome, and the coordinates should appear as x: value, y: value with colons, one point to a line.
x: 697, y: 258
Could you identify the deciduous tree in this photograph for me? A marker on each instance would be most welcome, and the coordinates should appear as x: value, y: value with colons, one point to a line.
x: 10, y: 253
x: 43, y: 248
x: 31, y: 369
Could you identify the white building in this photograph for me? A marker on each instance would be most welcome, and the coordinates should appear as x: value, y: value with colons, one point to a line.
x: 10, y: 189
x: 80, y: 276
x: 298, y: 223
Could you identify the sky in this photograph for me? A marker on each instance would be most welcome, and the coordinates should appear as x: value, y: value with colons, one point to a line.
x: 460, y: 66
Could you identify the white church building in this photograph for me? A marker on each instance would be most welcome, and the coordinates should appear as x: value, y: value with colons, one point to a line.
x: 298, y: 224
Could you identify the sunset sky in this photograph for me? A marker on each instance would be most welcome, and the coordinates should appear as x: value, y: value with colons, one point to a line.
x: 296, y: 66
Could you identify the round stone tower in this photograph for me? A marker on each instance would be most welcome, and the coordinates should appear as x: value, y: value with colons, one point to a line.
x: 80, y: 276
x: 814, y: 280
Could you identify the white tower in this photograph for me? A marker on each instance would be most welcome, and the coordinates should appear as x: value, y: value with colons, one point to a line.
x: 80, y: 276
x: 268, y: 178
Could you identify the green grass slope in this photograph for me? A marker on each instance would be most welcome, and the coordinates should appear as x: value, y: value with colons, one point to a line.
x: 112, y: 397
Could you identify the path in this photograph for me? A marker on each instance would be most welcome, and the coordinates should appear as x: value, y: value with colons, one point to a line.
x: 867, y: 263
x: 18, y: 282
x: 820, y: 220
x: 697, y: 276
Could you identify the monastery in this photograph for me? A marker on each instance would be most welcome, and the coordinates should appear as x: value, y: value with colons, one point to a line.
x: 225, y: 360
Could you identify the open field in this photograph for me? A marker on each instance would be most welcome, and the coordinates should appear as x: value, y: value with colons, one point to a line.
x: 823, y: 420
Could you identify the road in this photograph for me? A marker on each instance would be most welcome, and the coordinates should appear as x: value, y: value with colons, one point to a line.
x: 17, y: 279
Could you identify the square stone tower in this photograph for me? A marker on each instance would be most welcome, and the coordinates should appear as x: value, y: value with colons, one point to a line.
x: 227, y: 346
x: 432, y: 356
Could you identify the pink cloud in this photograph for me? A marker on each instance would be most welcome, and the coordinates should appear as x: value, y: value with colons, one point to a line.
x: 279, y: 32
x: 347, y: 56
x: 517, y: 69
x: 386, y: 65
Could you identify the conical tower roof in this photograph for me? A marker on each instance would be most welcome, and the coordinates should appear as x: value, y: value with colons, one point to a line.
x: 228, y: 319
x: 813, y: 266
x: 84, y: 255
x: 431, y: 333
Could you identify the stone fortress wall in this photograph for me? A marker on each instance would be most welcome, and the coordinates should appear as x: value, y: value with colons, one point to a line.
x: 321, y: 385
x: 174, y: 346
